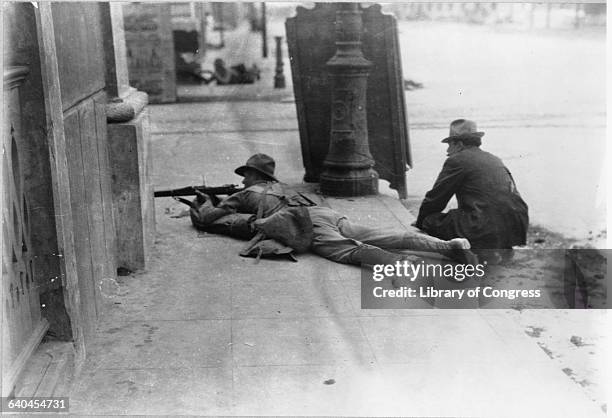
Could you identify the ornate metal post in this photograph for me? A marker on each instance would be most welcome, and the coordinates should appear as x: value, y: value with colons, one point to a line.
x: 264, y: 31
x: 348, y: 166
x: 279, y: 77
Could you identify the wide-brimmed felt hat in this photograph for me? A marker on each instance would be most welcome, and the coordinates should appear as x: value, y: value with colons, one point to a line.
x: 261, y: 163
x: 464, y: 130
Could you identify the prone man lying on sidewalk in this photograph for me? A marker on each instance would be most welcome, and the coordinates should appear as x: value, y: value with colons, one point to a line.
x: 279, y: 220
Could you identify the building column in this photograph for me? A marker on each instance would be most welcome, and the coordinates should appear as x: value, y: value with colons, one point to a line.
x: 129, y: 150
x: 149, y: 41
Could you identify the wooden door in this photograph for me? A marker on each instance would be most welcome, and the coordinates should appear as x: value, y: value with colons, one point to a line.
x: 22, y: 324
x: 80, y: 59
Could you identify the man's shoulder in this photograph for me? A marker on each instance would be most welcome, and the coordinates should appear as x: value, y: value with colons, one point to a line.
x: 458, y: 159
x: 474, y: 160
x: 482, y: 157
x: 273, y: 187
x: 261, y: 187
x: 471, y: 156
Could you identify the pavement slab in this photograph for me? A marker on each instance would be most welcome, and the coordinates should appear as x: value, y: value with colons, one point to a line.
x: 164, y: 344
x: 154, y: 391
x: 296, y: 290
x: 328, y: 390
x: 299, y: 341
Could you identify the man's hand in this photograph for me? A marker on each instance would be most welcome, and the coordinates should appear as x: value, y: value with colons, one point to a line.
x: 200, y: 199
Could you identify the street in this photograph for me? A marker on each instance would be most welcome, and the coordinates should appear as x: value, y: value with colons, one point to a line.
x: 539, y: 97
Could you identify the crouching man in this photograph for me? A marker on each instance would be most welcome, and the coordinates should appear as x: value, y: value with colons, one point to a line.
x: 491, y: 213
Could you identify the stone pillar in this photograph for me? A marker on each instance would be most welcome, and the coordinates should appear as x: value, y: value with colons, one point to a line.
x: 348, y: 166
x: 202, y: 39
x: 219, y: 19
x: 129, y: 152
x: 150, y: 50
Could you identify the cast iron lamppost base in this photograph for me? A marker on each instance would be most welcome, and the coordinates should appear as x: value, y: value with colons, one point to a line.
x: 348, y: 166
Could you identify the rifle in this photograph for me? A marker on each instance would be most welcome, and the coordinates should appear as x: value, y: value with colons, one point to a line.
x: 212, y: 192
x: 226, y: 189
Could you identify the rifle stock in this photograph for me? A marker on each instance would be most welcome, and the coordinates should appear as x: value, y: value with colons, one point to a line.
x: 226, y: 189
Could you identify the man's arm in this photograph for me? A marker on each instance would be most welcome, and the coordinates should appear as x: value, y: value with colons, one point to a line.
x: 204, y: 212
x: 444, y: 188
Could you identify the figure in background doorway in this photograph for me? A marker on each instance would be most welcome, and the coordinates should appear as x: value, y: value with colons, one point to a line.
x: 236, y: 74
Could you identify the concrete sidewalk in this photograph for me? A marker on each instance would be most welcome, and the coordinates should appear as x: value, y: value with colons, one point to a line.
x: 206, y: 332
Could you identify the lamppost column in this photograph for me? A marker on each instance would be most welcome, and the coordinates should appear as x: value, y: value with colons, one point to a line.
x: 279, y: 77
x: 348, y: 165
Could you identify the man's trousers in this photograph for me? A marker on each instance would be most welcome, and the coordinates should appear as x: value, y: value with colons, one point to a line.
x: 343, y: 241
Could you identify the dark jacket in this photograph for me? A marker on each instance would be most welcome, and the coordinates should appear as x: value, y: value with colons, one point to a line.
x: 491, y: 213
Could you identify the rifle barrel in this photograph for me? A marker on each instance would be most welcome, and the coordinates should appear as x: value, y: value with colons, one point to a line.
x: 190, y: 191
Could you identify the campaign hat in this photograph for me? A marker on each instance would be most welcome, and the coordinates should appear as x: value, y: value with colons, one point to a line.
x: 261, y: 163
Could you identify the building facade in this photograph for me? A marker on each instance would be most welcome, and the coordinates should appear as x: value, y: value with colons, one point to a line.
x: 64, y: 91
